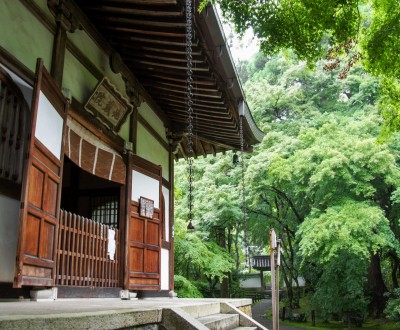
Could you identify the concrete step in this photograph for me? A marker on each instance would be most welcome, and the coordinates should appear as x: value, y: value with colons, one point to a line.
x: 220, y: 321
x: 245, y: 328
x: 201, y: 310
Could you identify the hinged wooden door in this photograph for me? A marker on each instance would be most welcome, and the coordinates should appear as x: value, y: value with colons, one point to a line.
x: 41, y: 187
x: 143, y: 233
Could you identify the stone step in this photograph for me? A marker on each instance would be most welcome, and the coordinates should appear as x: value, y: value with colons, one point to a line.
x: 245, y: 328
x: 201, y: 310
x: 220, y: 321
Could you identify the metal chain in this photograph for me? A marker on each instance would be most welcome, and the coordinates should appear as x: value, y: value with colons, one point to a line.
x: 246, y: 244
x: 189, y: 101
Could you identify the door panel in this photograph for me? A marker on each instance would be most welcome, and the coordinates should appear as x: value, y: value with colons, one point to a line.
x: 41, y: 187
x: 144, y: 234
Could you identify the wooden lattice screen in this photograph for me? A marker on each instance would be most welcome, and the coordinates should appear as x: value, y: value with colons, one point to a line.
x: 105, y: 210
x: 14, y: 118
x: 82, y: 253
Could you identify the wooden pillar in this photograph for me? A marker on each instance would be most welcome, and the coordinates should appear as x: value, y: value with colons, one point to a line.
x: 275, y: 319
x: 133, y: 130
x: 65, y: 22
x: 171, y: 217
x: 59, y: 46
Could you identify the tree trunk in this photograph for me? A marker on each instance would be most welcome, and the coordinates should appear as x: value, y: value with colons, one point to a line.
x: 237, y: 256
x: 395, y: 269
x: 222, y: 243
x: 376, y: 287
x: 289, y: 288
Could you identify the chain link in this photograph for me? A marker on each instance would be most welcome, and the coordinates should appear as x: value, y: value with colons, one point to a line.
x: 246, y: 243
x: 189, y: 101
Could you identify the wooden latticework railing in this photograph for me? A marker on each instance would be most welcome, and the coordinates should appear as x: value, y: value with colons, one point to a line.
x: 82, y: 253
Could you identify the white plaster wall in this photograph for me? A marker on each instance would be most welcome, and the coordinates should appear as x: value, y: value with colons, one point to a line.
x: 165, y: 192
x: 145, y: 186
x: 9, y: 209
x: 49, y: 126
x: 25, y: 88
x: 253, y: 282
x: 164, y: 269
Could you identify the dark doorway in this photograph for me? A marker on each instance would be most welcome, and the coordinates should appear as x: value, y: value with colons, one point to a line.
x: 90, y: 196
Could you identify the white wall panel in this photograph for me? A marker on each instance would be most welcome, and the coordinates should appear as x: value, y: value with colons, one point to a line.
x: 164, y: 269
x: 9, y: 209
x: 49, y: 125
x: 145, y: 186
x: 165, y: 192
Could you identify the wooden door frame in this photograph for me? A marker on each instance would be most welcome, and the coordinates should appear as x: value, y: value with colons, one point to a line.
x: 136, y: 163
x: 43, y: 82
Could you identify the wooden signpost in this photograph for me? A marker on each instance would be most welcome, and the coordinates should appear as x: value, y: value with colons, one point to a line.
x: 275, y: 263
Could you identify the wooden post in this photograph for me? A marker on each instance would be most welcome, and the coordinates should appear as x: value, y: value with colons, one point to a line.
x: 262, y: 279
x: 272, y: 240
x: 278, y: 263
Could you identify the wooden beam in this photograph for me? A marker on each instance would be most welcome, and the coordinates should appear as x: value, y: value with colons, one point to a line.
x: 213, y: 149
x: 181, y: 103
x: 200, y: 99
x: 148, y: 40
x: 142, y: 2
x: 176, y: 85
x: 202, y: 148
x: 164, y: 33
x: 178, y: 79
x: 139, y: 21
x: 153, y: 64
x: 182, y: 91
x: 166, y: 49
x: 197, y: 60
x: 182, y: 150
x: 148, y: 11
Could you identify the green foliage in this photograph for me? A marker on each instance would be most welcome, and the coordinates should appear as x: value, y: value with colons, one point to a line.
x: 357, y: 228
x: 343, y: 31
x: 197, y: 257
x: 340, y: 288
x: 298, y: 25
x: 392, y: 309
x: 185, y: 288
x: 319, y: 177
x: 380, y: 39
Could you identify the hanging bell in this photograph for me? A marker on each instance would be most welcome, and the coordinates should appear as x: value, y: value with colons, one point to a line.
x: 190, y: 226
x: 235, y: 159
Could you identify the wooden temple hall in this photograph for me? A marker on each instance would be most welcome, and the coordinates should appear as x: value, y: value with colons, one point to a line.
x: 92, y: 118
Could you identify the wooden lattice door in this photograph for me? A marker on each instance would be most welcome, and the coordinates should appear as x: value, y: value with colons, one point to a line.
x: 41, y: 187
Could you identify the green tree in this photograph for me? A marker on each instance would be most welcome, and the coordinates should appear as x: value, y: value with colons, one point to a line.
x: 343, y: 31
x: 321, y: 154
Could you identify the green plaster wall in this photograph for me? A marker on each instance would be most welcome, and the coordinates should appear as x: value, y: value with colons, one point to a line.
x: 77, y: 78
x: 101, y: 61
x: 42, y: 4
x: 124, y: 131
x: 98, y: 58
x: 150, y: 149
x: 23, y: 35
x: 150, y: 116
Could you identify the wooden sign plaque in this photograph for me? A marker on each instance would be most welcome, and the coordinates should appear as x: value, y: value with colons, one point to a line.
x: 108, y: 105
x: 146, y: 207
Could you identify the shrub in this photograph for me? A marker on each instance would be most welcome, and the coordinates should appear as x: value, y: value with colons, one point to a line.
x: 186, y: 289
x: 392, y: 309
